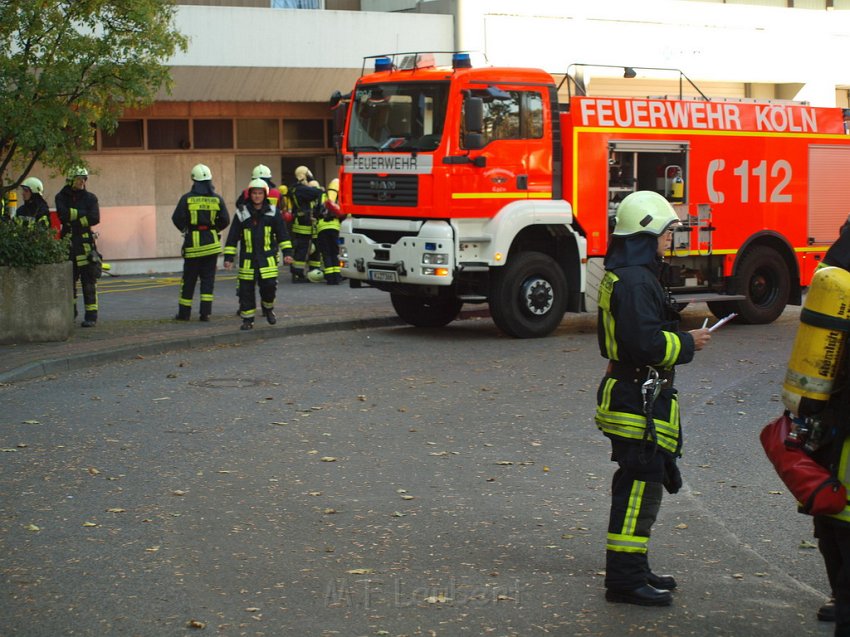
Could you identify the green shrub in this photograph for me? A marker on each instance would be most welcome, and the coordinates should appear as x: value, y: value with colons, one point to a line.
x: 24, y: 244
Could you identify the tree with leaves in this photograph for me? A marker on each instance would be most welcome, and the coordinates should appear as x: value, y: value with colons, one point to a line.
x: 70, y: 66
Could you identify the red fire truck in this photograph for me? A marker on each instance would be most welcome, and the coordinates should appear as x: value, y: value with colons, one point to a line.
x: 476, y: 185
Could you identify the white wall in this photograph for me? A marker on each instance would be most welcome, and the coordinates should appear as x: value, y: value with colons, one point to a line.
x: 709, y: 42
x: 299, y: 38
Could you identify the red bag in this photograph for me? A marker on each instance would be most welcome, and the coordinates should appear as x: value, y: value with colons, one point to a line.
x: 816, y: 489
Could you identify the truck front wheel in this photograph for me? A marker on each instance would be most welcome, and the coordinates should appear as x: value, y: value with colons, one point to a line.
x: 425, y: 311
x: 528, y: 295
x: 766, y: 282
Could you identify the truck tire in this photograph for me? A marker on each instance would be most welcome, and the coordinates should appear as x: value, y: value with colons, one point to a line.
x: 425, y: 311
x: 766, y: 282
x: 528, y: 295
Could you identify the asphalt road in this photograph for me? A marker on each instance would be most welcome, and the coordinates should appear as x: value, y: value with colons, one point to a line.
x: 387, y: 482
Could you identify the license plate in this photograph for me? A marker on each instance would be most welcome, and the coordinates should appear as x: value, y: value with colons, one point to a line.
x: 383, y: 275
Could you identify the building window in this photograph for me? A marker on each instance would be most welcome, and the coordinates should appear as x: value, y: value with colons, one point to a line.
x: 168, y: 134
x: 212, y: 133
x: 296, y: 4
x: 129, y: 134
x: 304, y: 133
x: 257, y: 133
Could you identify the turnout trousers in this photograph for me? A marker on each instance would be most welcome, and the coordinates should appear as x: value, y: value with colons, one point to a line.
x: 834, y: 544
x: 301, y: 261
x: 87, y: 276
x: 202, y: 268
x: 248, y: 297
x: 635, y: 500
x: 329, y: 247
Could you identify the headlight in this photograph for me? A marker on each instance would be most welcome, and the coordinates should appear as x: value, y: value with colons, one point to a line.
x: 435, y: 258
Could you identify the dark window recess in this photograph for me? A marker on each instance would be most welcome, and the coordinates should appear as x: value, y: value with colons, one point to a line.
x: 387, y: 190
x: 212, y: 133
x: 257, y: 133
x: 129, y: 134
x: 304, y: 133
x: 168, y: 134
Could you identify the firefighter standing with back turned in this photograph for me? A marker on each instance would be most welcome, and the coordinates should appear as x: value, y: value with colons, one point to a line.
x: 200, y: 215
x: 304, y: 198
x: 637, y: 406
x: 327, y: 227
x: 79, y: 211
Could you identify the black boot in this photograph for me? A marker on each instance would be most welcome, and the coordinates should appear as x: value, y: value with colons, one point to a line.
x: 646, y: 595
x: 89, y: 320
x: 247, y: 324
x: 270, y: 315
x: 665, y: 582
x: 183, y: 313
x: 826, y: 613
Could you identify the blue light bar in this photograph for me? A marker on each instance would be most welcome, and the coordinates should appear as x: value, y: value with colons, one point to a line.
x: 383, y: 64
x: 461, y: 61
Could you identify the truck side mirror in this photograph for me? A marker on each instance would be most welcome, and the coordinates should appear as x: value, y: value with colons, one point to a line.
x: 473, y: 141
x: 339, y: 114
x: 473, y: 115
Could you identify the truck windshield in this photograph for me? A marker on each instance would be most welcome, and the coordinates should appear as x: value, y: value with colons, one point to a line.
x: 398, y: 117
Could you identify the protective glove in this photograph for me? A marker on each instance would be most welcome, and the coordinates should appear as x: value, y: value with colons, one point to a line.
x: 672, y: 477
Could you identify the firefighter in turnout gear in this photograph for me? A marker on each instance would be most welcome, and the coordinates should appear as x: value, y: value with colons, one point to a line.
x: 637, y: 406
x: 34, y: 207
x: 304, y: 199
x: 833, y: 452
x: 200, y: 215
x: 79, y: 212
x: 327, y: 227
x: 260, y: 230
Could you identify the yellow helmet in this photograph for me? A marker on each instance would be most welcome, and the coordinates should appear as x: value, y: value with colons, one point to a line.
x: 644, y: 211
x: 333, y: 190
x: 302, y: 174
x: 316, y: 275
x: 33, y: 184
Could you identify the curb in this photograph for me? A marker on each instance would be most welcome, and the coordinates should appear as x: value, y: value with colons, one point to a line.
x: 38, y: 369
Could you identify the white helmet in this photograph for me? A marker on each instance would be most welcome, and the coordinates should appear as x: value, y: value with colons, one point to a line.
x: 258, y: 183
x: 201, y: 172
x: 261, y: 171
x: 644, y: 211
x: 33, y: 184
x: 316, y: 275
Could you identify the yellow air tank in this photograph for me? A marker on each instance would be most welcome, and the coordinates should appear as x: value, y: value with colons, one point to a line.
x: 819, y: 345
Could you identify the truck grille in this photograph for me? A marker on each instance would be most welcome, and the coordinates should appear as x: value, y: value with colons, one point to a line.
x: 388, y: 190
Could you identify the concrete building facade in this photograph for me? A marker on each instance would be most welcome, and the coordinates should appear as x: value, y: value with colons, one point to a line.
x: 253, y: 86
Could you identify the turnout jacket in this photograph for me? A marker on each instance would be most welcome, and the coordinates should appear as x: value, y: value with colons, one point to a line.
x: 262, y: 234
x: 638, y: 327
x: 78, y: 211
x: 36, y: 209
x: 201, y: 215
x: 304, y: 199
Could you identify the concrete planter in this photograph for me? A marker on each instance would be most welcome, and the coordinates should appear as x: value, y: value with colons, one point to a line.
x: 35, y: 305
